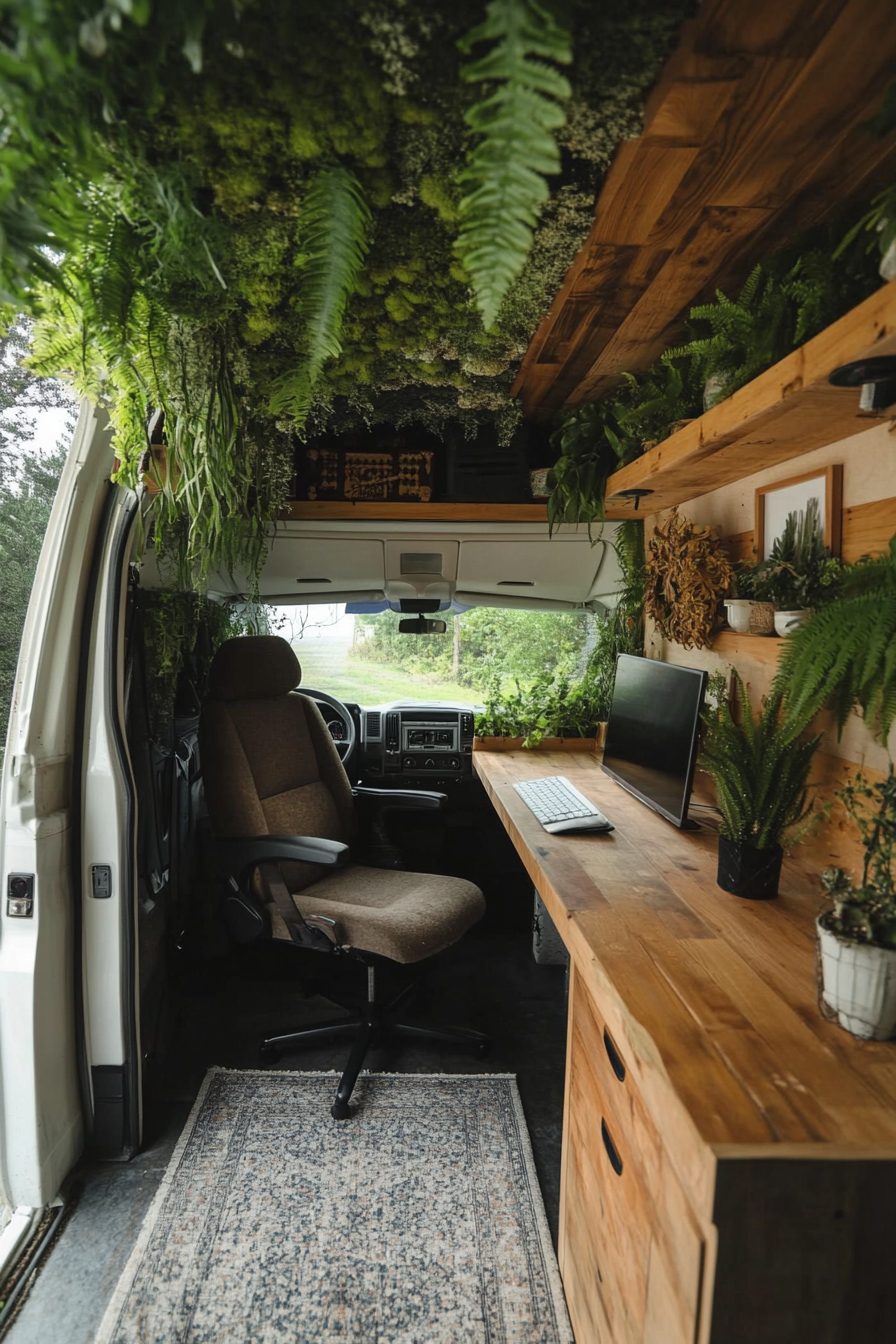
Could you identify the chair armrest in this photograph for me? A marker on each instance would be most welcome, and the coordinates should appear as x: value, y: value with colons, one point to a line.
x: 403, y: 800
x: 242, y: 853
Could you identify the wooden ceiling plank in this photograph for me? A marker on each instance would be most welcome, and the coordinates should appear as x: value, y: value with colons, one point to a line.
x: 720, y: 232
x: 856, y: 59
x: 774, y: 96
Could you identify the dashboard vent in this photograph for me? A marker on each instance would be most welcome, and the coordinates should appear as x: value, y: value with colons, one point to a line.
x: 374, y: 725
x: 392, y: 732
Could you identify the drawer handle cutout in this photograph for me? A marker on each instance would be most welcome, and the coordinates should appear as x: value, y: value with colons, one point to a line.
x: 614, y: 1057
x: 615, y: 1159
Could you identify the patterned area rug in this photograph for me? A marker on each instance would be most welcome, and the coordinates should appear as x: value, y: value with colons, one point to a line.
x: 420, y: 1220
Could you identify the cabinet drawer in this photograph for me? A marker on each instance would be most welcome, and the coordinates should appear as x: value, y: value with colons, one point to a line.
x: 632, y: 1250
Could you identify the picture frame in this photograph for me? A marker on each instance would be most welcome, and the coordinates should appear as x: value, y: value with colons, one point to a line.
x: 775, y: 501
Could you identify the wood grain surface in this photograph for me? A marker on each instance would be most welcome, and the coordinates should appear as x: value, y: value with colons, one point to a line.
x: 711, y: 999
x: 754, y: 133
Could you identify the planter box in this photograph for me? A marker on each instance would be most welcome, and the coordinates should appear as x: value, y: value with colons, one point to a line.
x: 589, y: 744
x: 859, y: 985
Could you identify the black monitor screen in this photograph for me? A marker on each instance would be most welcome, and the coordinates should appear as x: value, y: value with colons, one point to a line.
x: 652, y: 731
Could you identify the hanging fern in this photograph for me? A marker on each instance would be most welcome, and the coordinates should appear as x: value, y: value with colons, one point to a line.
x: 333, y: 239
x: 846, y: 650
x: 504, y: 176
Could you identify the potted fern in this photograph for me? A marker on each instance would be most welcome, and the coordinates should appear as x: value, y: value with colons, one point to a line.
x: 857, y: 936
x: 761, y: 778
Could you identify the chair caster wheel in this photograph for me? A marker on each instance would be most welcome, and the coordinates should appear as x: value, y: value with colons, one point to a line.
x: 269, y: 1054
x: 483, y: 1050
x: 340, y: 1110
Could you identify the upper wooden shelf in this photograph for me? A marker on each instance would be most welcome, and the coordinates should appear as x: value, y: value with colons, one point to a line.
x: 462, y: 513
x: 788, y: 410
x: 754, y: 133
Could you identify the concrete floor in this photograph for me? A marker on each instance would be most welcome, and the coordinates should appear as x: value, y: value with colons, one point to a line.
x: 218, y: 1016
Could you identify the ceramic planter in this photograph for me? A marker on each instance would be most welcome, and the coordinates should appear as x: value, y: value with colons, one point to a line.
x: 737, y: 614
x: 762, y: 618
x: 858, y: 984
x: 749, y: 872
x: 787, y: 621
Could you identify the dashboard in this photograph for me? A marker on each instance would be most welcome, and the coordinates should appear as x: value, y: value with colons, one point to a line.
x: 406, y: 743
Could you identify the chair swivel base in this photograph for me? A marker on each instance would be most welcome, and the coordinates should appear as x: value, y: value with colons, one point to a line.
x: 368, y: 1029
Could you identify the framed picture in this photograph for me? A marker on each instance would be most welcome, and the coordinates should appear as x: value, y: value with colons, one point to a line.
x: 774, y: 502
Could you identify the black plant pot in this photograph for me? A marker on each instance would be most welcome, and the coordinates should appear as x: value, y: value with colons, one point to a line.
x: 747, y: 871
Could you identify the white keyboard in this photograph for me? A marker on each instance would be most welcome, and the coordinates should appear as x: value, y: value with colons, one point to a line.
x: 559, y: 806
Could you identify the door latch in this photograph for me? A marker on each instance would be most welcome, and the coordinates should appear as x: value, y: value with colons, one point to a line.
x: 20, y: 895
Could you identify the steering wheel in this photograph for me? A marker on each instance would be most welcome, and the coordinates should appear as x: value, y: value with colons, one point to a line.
x: 346, y: 745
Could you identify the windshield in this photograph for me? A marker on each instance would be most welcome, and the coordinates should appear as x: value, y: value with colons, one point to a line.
x: 363, y: 658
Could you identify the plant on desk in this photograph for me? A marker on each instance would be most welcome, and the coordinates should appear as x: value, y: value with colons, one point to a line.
x: 555, y: 707
x: 761, y: 777
x: 858, y: 935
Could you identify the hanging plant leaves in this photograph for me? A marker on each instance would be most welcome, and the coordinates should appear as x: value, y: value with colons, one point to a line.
x: 333, y: 237
x: 504, y: 176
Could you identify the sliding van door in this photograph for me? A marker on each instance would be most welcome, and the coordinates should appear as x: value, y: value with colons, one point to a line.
x: 45, y: 1093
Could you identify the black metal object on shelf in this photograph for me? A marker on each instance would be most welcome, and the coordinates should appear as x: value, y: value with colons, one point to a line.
x: 876, y: 376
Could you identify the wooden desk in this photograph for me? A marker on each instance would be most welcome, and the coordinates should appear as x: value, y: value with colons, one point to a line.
x: 737, y: 1183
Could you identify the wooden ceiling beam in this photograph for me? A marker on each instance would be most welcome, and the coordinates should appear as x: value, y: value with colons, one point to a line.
x: 754, y: 133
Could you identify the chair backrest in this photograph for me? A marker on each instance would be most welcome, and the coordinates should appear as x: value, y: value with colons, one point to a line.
x: 269, y: 763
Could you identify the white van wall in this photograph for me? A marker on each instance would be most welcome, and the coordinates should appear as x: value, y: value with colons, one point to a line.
x: 39, y: 1102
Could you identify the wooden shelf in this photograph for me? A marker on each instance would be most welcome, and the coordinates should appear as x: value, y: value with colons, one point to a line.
x: 754, y: 133
x: 462, y: 513
x: 785, y: 412
x: 761, y: 648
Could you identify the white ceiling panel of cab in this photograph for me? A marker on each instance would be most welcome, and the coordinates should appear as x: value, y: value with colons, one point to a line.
x: 558, y: 568
x: 298, y: 565
x: 512, y: 563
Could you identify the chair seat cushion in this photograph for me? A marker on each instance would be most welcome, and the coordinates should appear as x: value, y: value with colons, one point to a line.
x: 404, y: 916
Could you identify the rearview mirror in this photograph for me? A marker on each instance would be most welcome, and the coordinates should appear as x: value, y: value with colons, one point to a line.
x: 420, y: 626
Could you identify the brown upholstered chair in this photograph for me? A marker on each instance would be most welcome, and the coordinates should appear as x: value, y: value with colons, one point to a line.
x: 285, y: 821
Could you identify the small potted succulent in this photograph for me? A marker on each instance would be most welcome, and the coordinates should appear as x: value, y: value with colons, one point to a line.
x: 761, y: 777
x: 857, y: 936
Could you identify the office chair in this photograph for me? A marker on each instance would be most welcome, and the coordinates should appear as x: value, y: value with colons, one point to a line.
x: 285, y: 819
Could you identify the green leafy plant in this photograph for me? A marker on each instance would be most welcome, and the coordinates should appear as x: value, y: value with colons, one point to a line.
x: 649, y: 404
x: 504, y: 176
x: 866, y: 913
x: 846, y: 652
x: 781, y: 304
x: 553, y: 706
x: 800, y: 572
x: 332, y: 240
x: 591, y: 449
x: 760, y: 770
x: 879, y: 222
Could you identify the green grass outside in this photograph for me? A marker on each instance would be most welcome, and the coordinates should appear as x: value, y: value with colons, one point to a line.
x: 326, y: 667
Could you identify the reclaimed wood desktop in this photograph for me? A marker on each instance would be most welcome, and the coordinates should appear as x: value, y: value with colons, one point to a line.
x: 729, y: 1157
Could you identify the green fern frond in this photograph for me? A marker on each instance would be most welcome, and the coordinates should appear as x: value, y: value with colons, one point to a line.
x: 846, y: 651
x: 504, y: 177
x: 333, y: 239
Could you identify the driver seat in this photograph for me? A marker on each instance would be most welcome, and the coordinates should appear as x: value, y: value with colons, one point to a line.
x: 284, y: 816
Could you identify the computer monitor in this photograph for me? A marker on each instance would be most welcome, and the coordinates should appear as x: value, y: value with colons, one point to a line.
x: 651, y: 745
